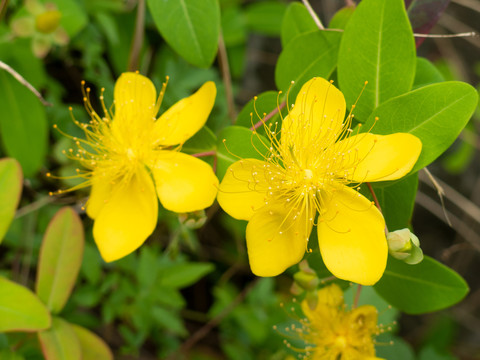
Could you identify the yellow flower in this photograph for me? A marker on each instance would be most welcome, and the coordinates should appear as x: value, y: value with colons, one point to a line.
x: 131, y: 159
x: 317, y: 167
x: 334, y: 333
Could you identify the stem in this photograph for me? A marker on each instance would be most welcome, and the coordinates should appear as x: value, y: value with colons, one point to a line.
x: 313, y: 15
x: 24, y: 82
x: 357, y: 296
x: 226, y: 76
x: 27, y: 209
x: 268, y: 116
x: 137, y: 40
x: 377, y: 204
x: 206, y: 153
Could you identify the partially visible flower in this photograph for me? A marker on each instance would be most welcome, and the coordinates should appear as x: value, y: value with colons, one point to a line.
x: 332, y: 332
x: 315, y: 167
x: 404, y: 245
x: 131, y: 158
x: 42, y: 24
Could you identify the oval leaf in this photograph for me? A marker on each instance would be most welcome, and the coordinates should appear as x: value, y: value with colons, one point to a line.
x: 20, y: 309
x: 436, y: 114
x: 190, y: 27
x: 23, y: 124
x: 93, y: 347
x: 375, y: 36
x: 308, y: 55
x: 60, y: 259
x: 11, y: 179
x: 296, y: 21
x: 426, y: 74
x: 264, y: 103
x: 425, y: 287
x: 60, y: 342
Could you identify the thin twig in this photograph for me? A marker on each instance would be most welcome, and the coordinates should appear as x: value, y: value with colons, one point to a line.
x: 377, y: 204
x: 24, y: 82
x: 313, y: 15
x: 206, y: 153
x: 465, y: 34
x: 440, y: 192
x: 454, y: 25
x: 27, y: 209
x: 137, y: 40
x: 226, y: 76
x: 268, y: 116
x: 357, y: 296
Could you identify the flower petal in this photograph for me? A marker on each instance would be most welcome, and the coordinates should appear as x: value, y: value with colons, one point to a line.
x: 328, y: 310
x: 128, y: 217
x: 352, y: 239
x: 135, y: 97
x: 185, y: 117
x: 99, y: 195
x: 184, y: 183
x: 277, y: 238
x: 317, y: 117
x: 369, y: 157
x: 243, y: 188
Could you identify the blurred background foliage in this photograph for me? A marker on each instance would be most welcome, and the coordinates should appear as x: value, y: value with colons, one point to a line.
x: 189, y: 292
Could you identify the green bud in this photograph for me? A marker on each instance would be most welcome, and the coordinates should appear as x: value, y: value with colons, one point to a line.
x: 306, y: 281
x: 404, y: 245
x: 193, y: 220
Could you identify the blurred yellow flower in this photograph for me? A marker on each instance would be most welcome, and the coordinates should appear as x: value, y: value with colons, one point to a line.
x: 315, y: 167
x: 334, y: 333
x: 131, y: 158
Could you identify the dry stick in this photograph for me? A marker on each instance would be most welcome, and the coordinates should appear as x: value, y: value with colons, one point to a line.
x: 203, y: 331
x: 206, y: 153
x: 313, y: 15
x: 357, y: 296
x: 137, y: 40
x: 456, y: 26
x: 227, y: 79
x: 24, y: 82
x: 464, y: 34
x: 3, y: 7
x: 440, y: 192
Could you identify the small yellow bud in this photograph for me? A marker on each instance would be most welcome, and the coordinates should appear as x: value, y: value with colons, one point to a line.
x: 48, y: 21
x: 404, y: 245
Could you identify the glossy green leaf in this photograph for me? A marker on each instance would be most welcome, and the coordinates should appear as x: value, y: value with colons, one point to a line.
x: 237, y: 142
x: 93, y: 347
x: 60, y: 259
x: 309, y: 55
x: 20, y: 309
x: 182, y: 275
x: 296, y: 21
x: 23, y: 124
x: 190, y: 27
x: 60, y: 342
x: 436, y: 114
x: 11, y: 182
x: 262, y: 104
x: 422, y: 288
x: 265, y: 17
x: 426, y: 74
x: 398, y: 350
x: 377, y: 33
x: 203, y: 140
x: 341, y: 17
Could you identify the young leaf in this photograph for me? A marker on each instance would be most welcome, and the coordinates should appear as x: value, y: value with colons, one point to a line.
x: 309, y: 55
x: 426, y: 74
x: 377, y: 33
x: 60, y: 259
x: 20, y: 309
x: 11, y: 179
x: 425, y: 287
x: 341, y: 17
x: 435, y: 114
x: 93, y: 347
x: 296, y: 21
x: 60, y: 342
x: 190, y: 27
x: 182, y: 275
x: 23, y: 124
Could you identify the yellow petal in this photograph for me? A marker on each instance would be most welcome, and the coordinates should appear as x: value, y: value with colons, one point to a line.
x: 135, y: 98
x: 316, y: 119
x: 277, y: 238
x: 99, y: 194
x: 185, y: 117
x: 184, y: 183
x: 128, y: 217
x: 243, y: 188
x: 328, y: 309
x: 352, y: 239
x: 369, y: 157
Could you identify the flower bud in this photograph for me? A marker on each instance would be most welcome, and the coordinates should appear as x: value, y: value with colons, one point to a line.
x: 193, y: 220
x: 404, y: 245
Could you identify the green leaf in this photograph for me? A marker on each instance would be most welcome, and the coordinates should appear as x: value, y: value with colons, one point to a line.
x: 11, y: 181
x: 377, y: 33
x: 397, y: 200
x: 190, y: 27
x: 182, y: 275
x: 399, y: 350
x: 73, y: 17
x: 296, y: 21
x: 203, y: 140
x: 23, y: 124
x: 7, y: 354
x: 93, y: 347
x: 233, y: 26
x: 169, y: 320
x: 436, y: 114
x: 20, y: 309
x: 60, y: 259
x: 422, y: 288
x: 341, y: 17
x: 235, y: 143
x: 265, y: 17
x: 60, y: 342
x: 309, y: 55
x: 426, y: 73
x: 261, y: 104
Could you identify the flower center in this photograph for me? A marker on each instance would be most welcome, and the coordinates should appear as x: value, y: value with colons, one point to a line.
x: 307, y: 174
